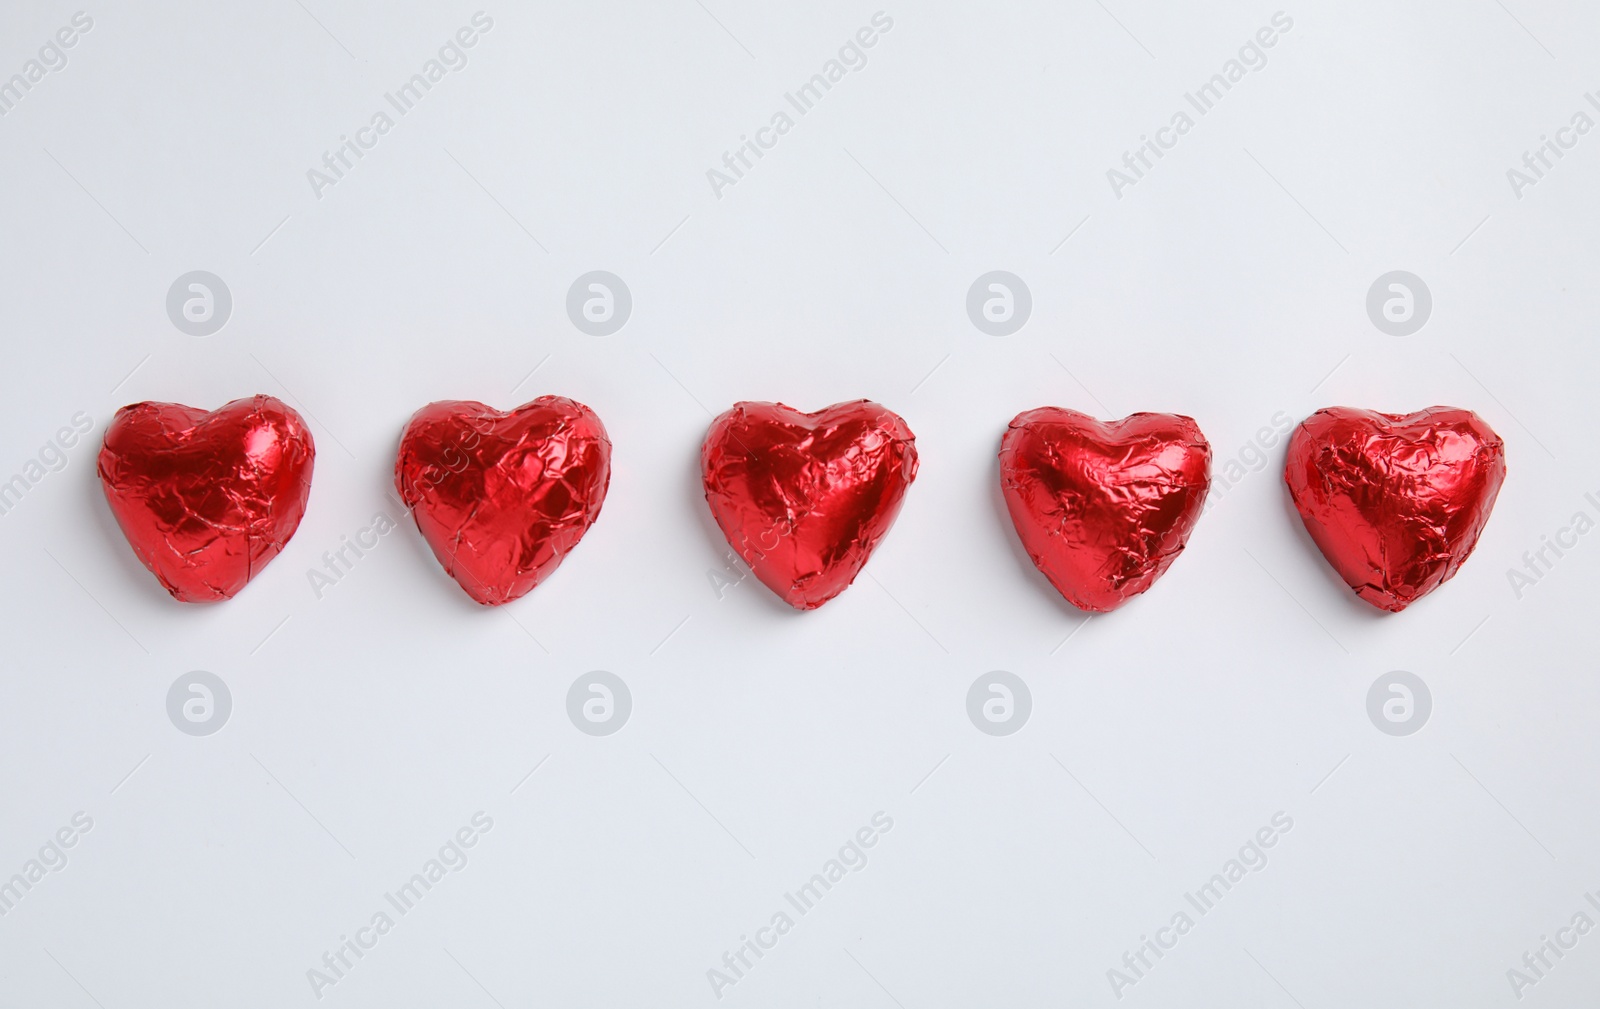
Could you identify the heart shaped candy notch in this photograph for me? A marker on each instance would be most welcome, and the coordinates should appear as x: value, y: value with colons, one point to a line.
x: 804, y: 498
x: 502, y: 498
x: 1395, y: 502
x: 1103, y: 508
x: 206, y: 500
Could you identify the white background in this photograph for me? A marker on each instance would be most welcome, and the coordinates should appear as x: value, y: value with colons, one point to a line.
x: 370, y: 724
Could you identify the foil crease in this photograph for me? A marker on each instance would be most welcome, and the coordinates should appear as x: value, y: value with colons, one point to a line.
x: 206, y: 500
x: 804, y: 498
x: 1395, y: 502
x: 502, y: 498
x: 1103, y: 508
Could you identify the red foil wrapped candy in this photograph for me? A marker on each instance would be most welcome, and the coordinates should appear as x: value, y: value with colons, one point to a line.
x: 1103, y: 508
x: 803, y: 498
x: 1395, y: 502
x: 503, y: 497
x: 206, y: 500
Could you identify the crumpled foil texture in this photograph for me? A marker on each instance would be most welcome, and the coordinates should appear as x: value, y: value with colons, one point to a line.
x: 501, y: 498
x: 1395, y: 502
x: 804, y: 498
x: 1103, y: 508
x: 207, y: 499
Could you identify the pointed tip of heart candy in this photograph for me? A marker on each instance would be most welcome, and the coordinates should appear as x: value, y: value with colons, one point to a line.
x: 804, y: 598
x: 1384, y: 599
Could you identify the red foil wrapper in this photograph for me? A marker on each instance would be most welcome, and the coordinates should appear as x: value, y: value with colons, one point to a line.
x: 1103, y: 508
x: 803, y: 498
x: 1395, y: 502
x: 207, y: 499
x: 503, y: 497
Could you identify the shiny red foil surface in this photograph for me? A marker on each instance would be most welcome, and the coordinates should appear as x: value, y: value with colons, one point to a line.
x: 1103, y: 508
x: 207, y: 499
x: 503, y: 497
x: 1395, y: 502
x: 803, y: 498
